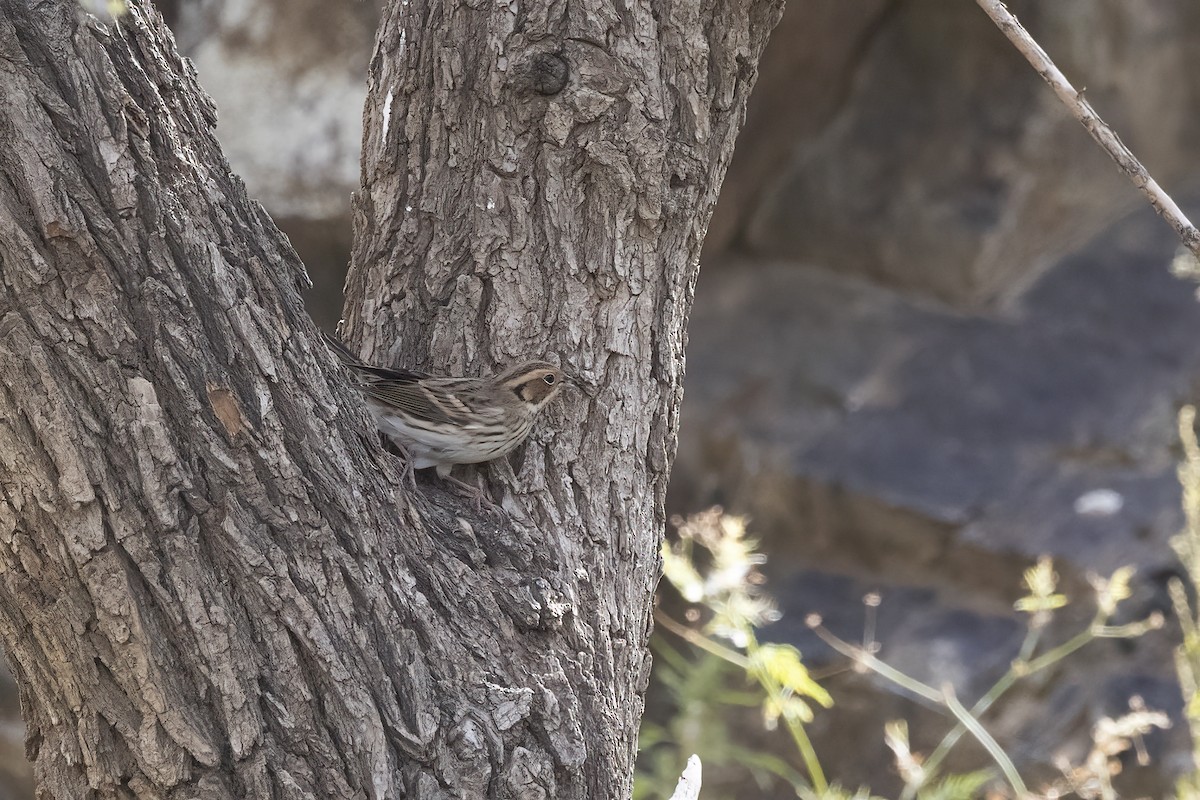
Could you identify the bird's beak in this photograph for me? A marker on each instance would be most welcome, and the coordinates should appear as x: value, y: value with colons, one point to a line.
x: 576, y: 383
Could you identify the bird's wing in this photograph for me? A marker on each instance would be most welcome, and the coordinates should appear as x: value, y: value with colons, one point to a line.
x: 452, y: 401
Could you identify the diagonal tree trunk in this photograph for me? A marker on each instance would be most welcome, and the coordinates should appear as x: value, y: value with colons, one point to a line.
x: 212, y: 581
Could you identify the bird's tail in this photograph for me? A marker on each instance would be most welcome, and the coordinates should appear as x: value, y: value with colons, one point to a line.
x: 341, y: 351
x: 367, y: 372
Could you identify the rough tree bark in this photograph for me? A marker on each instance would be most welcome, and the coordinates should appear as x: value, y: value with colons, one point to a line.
x: 212, y: 581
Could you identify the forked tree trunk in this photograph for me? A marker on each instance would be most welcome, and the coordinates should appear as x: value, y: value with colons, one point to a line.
x: 213, y: 582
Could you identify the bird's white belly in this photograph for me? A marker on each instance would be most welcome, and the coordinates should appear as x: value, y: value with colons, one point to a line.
x: 431, y: 447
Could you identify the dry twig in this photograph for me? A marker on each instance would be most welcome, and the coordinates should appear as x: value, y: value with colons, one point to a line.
x: 1101, y: 132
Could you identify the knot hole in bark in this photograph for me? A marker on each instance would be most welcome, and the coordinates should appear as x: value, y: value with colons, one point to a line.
x: 547, y: 73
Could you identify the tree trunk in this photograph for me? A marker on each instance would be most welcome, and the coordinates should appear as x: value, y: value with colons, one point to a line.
x: 213, y: 582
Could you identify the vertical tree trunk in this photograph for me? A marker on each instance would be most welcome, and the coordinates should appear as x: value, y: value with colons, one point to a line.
x: 212, y: 583
x: 538, y: 179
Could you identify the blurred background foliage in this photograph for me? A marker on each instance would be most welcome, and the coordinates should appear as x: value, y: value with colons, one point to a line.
x: 935, y: 339
x: 726, y: 606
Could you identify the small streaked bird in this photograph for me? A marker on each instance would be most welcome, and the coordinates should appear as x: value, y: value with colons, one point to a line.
x: 439, y: 422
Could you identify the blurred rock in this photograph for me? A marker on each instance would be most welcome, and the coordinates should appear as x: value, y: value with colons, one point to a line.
x: 988, y: 427
x: 804, y: 77
x: 16, y: 773
x: 909, y: 142
x: 289, y: 79
x: 324, y: 246
x: 879, y: 442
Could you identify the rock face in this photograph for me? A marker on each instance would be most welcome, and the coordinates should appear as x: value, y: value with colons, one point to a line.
x: 881, y: 443
x: 998, y: 427
x: 910, y: 144
x: 289, y: 80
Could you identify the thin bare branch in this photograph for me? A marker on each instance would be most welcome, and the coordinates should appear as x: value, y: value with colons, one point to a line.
x: 1100, y: 131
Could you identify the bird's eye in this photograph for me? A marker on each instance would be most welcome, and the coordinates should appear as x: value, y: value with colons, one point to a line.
x: 549, y: 378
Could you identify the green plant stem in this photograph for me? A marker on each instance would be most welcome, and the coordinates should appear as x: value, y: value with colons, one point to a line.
x: 1029, y: 645
x: 991, y: 745
x: 803, y: 744
x: 700, y: 640
x: 1020, y: 668
x: 809, y: 754
x: 944, y: 747
x: 1056, y: 654
x: 800, y: 736
x: 1187, y: 656
x: 1187, y: 546
x: 880, y: 668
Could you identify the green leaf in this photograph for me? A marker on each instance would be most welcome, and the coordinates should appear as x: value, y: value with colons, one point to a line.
x: 781, y: 664
x: 789, y: 707
x: 1110, y: 593
x: 956, y: 787
x: 1041, y: 581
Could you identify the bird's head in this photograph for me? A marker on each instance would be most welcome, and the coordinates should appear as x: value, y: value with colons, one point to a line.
x: 535, y: 382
